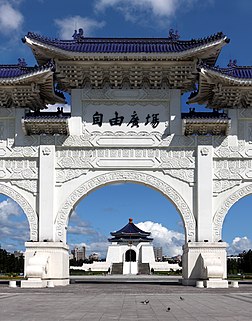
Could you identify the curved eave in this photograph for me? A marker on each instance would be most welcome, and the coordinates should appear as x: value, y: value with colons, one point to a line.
x: 209, y: 78
x: 209, y: 52
x: 27, y: 78
x: 42, y: 78
x: 230, y: 80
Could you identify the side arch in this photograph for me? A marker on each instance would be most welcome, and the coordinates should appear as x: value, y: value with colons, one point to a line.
x: 125, y: 176
x: 221, y: 213
x: 26, y: 207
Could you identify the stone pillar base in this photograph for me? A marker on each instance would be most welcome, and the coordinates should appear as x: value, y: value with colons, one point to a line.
x: 33, y: 283
x: 195, y: 255
x: 52, y: 264
x: 216, y: 283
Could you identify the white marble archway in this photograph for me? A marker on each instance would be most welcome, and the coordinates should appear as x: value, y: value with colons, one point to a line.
x: 122, y: 176
x: 26, y: 207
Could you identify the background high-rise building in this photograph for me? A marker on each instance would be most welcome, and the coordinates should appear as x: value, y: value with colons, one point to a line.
x: 80, y: 253
x: 158, y: 253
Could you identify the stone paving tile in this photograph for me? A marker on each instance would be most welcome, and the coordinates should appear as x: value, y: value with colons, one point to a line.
x: 107, y: 302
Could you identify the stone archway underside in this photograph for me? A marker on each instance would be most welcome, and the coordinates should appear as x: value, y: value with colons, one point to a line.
x: 223, y: 210
x: 26, y: 207
x: 129, y: 176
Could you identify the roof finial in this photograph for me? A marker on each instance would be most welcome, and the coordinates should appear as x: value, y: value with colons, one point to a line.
x: 130, y: 220
x: 173, y: 35
x: 232, y: 63
x: 78, y: 36
x: 22, y: 62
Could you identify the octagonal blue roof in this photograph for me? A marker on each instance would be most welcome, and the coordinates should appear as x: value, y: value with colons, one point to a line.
x: 130, y: 232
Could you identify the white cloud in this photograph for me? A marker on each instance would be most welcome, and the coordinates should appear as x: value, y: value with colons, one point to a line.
x: 239, y: 244
x: 158, y: 7
x: 14, y: 229
x: 11, y: 18
x: 69, y: 24
x: 139, y: 10
x: 8, y: 208
x: 171, y: 241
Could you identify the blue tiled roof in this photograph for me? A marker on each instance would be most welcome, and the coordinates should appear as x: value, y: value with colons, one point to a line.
x: 11, y: 71
x: 130, y: 229
x: 125, y: 45
x: 242, y: 72
x: 17, y: 70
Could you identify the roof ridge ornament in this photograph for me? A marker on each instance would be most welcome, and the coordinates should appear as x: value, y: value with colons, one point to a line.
x: 173, y: 35
x: 232, y: 63
x: 22, y: 62
x: 78, y: 36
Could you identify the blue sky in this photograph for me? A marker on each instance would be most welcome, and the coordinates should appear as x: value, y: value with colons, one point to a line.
x: 93, y: 219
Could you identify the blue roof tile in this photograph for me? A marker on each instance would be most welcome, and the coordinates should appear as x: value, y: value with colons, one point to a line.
x: 17, y: 70
x: 241, y: 72
x: 130, y: 230
x: 125, y: 45
x: 12, y: 71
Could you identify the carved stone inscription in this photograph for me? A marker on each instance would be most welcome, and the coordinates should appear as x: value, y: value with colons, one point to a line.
x: 125, y: 118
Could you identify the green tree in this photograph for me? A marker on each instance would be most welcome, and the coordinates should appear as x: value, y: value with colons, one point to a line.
x: 9, y: 263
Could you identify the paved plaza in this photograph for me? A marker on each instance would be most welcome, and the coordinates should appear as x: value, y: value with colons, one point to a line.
x: 126, y: 302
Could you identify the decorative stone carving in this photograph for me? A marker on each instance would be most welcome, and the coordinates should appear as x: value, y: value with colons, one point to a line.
x: 19, y: 169
x: 46, y: 151
x: 126, y: 94
x: 77, y: 141
x: 27, y: 185
x: 204, y: 151
x: 26, y: 207
x: 171, y: 158
x: 65, y: 175
x: 32, y: 141
x: 245, y: 113
x: 185, y: 175
x: 226, y: 205
x: 47, y: 140
x: 120, y: 176
x: 79, y: 158
x: 26, y: 151
x: 226, y: 151
x: 232, y: 169
x: 220, y: 186
x: 7, y: 112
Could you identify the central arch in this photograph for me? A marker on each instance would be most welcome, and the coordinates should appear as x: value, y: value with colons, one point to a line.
x: 125, y: 176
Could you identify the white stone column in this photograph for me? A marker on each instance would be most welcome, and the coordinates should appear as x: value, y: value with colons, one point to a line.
x: 19, y: 133
x: 46, y: 192
x: 204, y: 194
x: 175, y: 112
x: 75, y: 122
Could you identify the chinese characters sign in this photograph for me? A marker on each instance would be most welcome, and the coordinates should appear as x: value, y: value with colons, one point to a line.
x: 125, y: 118
x: 134, y: 121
